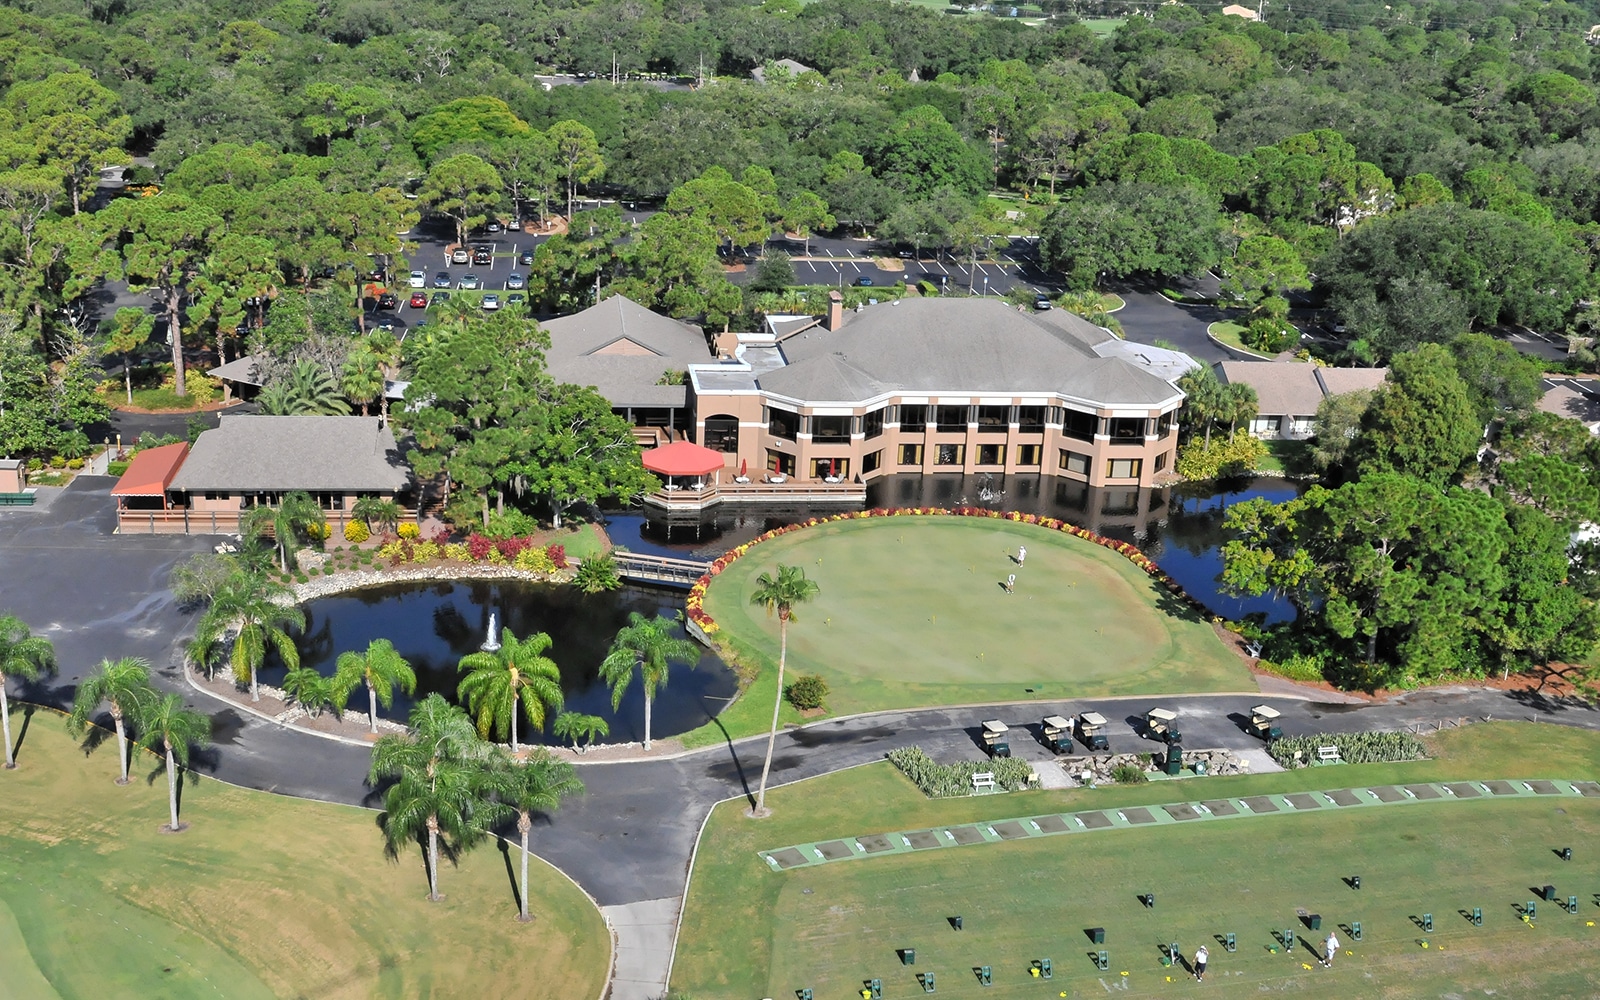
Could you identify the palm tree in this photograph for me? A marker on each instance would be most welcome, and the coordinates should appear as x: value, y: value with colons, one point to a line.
x: 288, y: 522
x: 308, y: 389
x: 537, y: 785
x: 386, y: 350
x: 248, y: 608
x: 377, y: 512
x: 381, y: 668
x: 440, y: 773
x: 1239, y: 403
x: 648, y: 643
x: 1206, y: 399
x: 779, y: 594
x: 125, y: 683
x: 517, y: 672
x: 164, y: 722
x: 361, y: 378
x: 576, y: 726
x: 23, y: 655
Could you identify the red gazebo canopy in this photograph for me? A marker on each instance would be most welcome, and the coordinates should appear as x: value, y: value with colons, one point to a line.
x: 683, y: 458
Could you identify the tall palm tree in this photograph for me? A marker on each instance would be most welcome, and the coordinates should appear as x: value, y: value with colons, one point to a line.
x: 646, y: 643
x: 516, y: 674
x: 125, y: 683
x: 248, y: 608
x: 361, y: 378
x: 779, y: 594
x: 1205, y: 397
x: 22, y: 655
x: 288, y: 522
x: 1240, y: 403
x: 537, y: 785
x: 386, y: 350
x: 381, y: 668
x: 439, y: 731
x: 165, y: 724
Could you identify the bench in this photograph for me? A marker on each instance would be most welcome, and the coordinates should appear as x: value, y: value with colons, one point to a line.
x: 16, y: 499
x: 983, y: 779
x: 1327, y: 753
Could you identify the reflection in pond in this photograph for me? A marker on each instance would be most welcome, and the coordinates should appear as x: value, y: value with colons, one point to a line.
x: 433, y: 625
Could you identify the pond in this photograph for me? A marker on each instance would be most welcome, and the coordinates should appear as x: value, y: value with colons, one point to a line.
x: 433, y: 625
x: 1179, y: 527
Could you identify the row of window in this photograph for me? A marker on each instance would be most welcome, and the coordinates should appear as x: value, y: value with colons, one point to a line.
x: 919, y: 417
x: 327, y: 501
x: 955, y: 455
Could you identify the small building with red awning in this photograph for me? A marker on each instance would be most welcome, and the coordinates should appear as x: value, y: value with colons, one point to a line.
x: 144, y: 486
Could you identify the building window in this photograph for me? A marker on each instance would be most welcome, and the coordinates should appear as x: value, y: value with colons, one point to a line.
x: 989, y: 454
x: 823, y: 468
x: 1071, y: 461
x: 1028, y: 455
x: 952, y: 419
x: 1161, y: 461
x: 783, y: 424
x: 870, y: 462
x: 1124, y: 468
x: 1030, y: 419
x: 722, y: 433
x: 914, y: 417
x: 949, y: 454
x: 1267, y: 426
x: 1126, y: 430
x: 1165, y: 423
x: 911, y: 454
x: 994, y: 419
x: 1080, y: 425
x: 214, y: 495
x: 872, y: 424
x: 780, y: 463
x: 830, y: 430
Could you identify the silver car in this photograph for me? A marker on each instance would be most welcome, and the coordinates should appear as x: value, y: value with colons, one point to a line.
x: 469, y: 281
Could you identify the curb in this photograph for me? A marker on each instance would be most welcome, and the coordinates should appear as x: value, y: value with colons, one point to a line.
x: 1241, y: 352
x: 188, y: 679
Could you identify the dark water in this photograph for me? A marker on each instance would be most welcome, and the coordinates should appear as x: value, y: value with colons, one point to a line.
x: 1179, y: 527
x: 433, y: 625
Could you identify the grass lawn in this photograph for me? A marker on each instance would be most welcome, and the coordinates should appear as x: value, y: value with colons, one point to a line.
x: 912, y: 612
x: 1228, y: 333
x: 263, y: 896
x: 748, y: 931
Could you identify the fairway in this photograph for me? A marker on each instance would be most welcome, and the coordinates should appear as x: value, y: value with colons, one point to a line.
x: 749, y: 931
x: 263, y: 896
x: 912, y: 612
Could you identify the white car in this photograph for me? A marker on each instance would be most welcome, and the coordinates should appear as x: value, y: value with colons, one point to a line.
x: 491, y: 303
x: 419, y: 279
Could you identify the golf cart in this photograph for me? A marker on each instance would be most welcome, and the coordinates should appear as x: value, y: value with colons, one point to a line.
x: 1090, y: 731
x: 995, y: 740
x: 1264, y: 722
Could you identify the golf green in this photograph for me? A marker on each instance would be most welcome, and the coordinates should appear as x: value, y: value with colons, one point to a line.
x: 915, y: 610
x: 751, y: 931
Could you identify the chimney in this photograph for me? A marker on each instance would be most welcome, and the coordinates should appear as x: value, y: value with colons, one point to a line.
x: 835, y: 310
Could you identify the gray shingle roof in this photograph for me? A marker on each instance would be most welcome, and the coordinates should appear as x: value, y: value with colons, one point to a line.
x: 962, y: 346
x: 585, y: 346
x: 1288, y: 388
x: 272, y: 454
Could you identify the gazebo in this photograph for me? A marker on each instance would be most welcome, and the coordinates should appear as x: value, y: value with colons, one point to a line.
x: 685, y: 460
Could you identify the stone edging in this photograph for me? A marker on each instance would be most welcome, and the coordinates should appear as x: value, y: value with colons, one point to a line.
x: 188, y: 677
x: 348, y: 580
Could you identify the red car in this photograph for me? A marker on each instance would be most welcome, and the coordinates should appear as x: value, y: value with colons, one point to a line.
x: 419, y: 300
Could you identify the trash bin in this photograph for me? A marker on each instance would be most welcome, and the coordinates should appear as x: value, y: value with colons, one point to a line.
x: 909, y: 956
x: 1097, y: 935
x: 1174, y: 766
x: 1316, y: 921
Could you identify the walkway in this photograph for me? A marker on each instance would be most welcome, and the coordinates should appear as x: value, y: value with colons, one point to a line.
x: 1131, y: 817
x: 629, y: 840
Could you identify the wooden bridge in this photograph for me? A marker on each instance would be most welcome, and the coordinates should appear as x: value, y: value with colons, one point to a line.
x: 660, y: 569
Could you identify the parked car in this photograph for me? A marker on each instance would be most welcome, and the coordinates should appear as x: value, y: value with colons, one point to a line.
x: 493, y: 226
x: 525, y: 258
x: 491, y: 302
x: 1041, y: 302
x: 515, y: 301
x: 419, y: 279
x: 514, y: 280
x: 442, y: 280
x: 388, y: 300
x: 482, y: 256
x: 419, y: 300
x: 440, y: 298
x: 469, y: 281
x: 460, y: 255
x: 863, y: 282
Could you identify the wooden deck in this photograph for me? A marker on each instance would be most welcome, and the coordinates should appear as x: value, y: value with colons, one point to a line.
x: 660, y: 569
x: 181, y: 521
x: 758, y: 492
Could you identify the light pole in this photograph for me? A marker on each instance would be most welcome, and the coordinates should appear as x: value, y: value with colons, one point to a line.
x: 986, y: 286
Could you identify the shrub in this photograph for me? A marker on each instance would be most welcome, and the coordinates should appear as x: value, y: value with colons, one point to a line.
x: 1270, y: 335
x: 74, y: 463
x: 1354, y: 748
x: 510, y: 524
x: 807, y: 692
x: 597, y: 573
x: 534, y: 560
x: 113, y: 468
x: 1128, y: 774
x: 202, y: 388
x: 558, y: 555
x: 35, y: 464
x: 1299, y: 667
x: 943, y: 781
x: 424, y: 551
x: 58, y: 462
x: 409, y: 532
x: 356, y: 532
x: 319, y: 532
x: 479, y: 546
x: 458, y: 552
x: 393, y: 551
x: 1229, y: 456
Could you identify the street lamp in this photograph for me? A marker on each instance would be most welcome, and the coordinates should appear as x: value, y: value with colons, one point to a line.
x: 986, y: 286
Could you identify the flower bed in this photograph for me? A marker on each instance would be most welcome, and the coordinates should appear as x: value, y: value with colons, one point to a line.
x: 697, y: 594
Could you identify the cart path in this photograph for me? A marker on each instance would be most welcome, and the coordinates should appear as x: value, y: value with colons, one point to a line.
x: 1035, y: 826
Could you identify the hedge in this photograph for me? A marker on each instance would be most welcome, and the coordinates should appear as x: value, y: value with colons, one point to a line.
x: 1354, y: 748
x: 944, y: 781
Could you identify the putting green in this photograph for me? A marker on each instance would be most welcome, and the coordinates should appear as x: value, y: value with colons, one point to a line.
x: 913, y: 611
x: 751, y: 931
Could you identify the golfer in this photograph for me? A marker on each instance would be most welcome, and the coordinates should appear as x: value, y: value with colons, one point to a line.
x: 1022, y: 554
x: 1332, y: 947
x: 1011, y: 581
x: 1200, y: 957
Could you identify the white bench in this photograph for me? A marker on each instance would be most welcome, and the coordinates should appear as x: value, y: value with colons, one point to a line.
x: 983, y: 779
x: 1327, y: 753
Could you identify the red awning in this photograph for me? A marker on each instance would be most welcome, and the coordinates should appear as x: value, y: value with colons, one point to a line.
x: 683, y: 458
x: 151, y: 471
